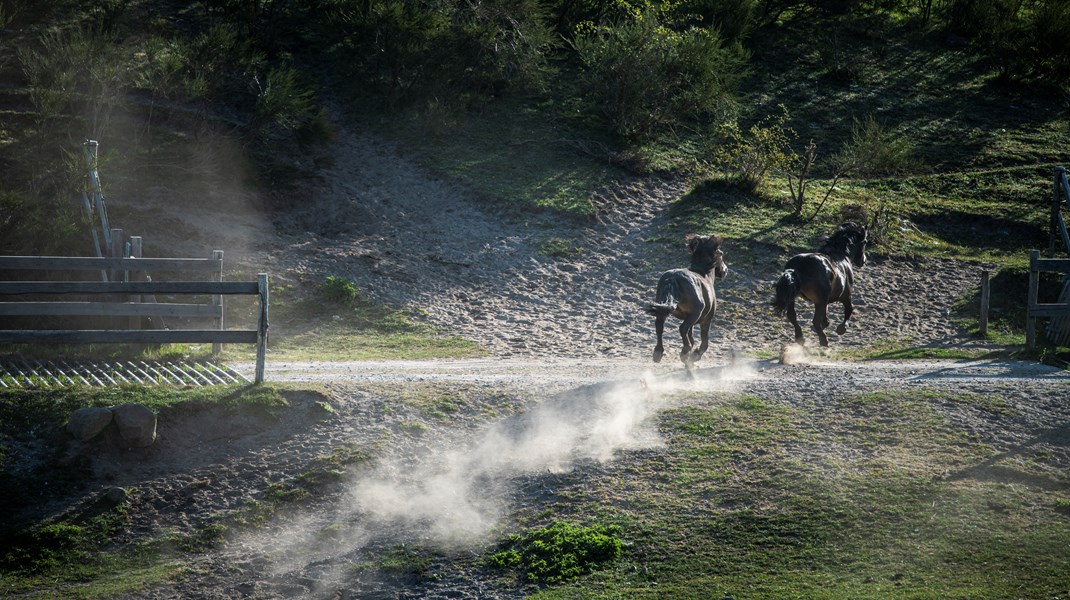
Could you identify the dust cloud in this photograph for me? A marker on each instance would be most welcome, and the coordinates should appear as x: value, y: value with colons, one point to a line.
x: 797, y: 354
x: 457, y: 495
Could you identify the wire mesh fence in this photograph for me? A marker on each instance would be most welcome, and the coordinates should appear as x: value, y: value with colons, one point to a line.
x: 21, y: 372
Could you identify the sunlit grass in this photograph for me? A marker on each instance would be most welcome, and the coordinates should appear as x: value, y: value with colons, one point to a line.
x: 878, y: 499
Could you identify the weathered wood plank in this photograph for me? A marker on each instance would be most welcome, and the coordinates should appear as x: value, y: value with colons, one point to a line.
x: 1049, y: 310
x: 132, y: 287
x: 108, y: 309
x: 1053, y: 265
x: 123, y: 336
x: 90, y: 263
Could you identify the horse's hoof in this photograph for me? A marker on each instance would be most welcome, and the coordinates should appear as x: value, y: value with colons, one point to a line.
x: 842, y: 329
x: 657, y: 356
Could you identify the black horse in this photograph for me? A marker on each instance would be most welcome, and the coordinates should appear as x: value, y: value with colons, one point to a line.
x: 822, y: 278
x: 688, y: 294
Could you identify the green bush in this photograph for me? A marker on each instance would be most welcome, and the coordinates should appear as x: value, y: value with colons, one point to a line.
x: 749, y: 156
x: 339, y: 289
x: 283, y: 103
x: 560, y: 551
x: 409, y: 50
x: 643, y: 75
x: 733, y: 18
x: 79, y: 70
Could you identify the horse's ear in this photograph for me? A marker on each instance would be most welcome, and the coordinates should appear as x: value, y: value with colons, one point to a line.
x: 691, y: 241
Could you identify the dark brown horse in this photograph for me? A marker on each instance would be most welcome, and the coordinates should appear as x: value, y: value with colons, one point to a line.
x: 688, y: 294
x: 823, y: 277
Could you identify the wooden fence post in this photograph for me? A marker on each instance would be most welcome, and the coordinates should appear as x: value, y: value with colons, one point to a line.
x: 115, y: 251
x: 985, y: 299
x: 218, y: 300
x: 135, y: 252
x: 1056, y: 201
x: 261, y: 327
x: 1031, y: 301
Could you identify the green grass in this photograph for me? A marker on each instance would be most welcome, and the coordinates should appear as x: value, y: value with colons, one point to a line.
x: 334, y: 320
x: 509, y: 154
x: 878, y: 499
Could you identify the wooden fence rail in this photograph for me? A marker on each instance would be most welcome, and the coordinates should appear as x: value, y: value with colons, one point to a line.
x: 115, y: 302
x: 1036, y: 310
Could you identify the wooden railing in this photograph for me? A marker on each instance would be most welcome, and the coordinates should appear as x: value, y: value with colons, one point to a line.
x: 121, y: 299
x: 1036, y: 310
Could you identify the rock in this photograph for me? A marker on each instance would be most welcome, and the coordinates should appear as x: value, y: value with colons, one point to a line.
x: 137, y: 424
x: 86, y: 423
x: 115, y: 495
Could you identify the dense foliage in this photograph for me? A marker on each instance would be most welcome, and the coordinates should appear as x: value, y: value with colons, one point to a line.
x: 626, y: 73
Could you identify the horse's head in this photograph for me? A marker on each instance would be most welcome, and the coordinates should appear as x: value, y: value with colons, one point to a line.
x: 706, y: 254
x: 858, y: 248
x: 848, y: 241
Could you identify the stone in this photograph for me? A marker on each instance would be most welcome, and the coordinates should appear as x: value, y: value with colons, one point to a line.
x: 136, y: 423
x: 86, y: 423
x: 115, y: 495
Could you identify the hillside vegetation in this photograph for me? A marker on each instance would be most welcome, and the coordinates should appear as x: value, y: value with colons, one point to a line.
x: 936, y: 124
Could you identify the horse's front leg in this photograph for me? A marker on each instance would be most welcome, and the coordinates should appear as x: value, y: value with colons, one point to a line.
x: 821, y: 321
x: 659, y: 328
x: 848, y: 310
x: 794, y: 320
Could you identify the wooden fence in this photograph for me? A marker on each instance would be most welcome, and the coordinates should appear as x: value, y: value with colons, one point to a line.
x: 121, y: 298
x: 1035, y: 310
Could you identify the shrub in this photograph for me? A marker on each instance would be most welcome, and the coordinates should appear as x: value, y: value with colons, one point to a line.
x: 733, y: 18
x: 339, y: 289
x: 282, y: 102
x: 750, y: 156
x: 643, y: 75
x: 412, y: 50
x: 560, y: 551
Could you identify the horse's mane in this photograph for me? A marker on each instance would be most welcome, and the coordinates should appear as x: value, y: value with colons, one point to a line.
x: 840, y: 243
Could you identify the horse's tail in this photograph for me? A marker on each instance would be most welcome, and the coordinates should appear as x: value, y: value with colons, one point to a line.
x: 666, y: 301
x: 787, y: 287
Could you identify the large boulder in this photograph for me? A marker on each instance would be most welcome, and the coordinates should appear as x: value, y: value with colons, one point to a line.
x: 86, y: 423
x: 136, y: 423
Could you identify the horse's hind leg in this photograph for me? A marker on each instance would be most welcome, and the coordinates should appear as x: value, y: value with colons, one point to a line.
x: 704, y: 329
x: 794, y: 320
x: 848, y: 309
x: 686, y: 333
x: 821, y: 321
x: 659, y: 328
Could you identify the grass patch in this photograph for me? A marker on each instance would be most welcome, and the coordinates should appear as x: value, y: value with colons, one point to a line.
x: 334, y: 320
x: 879, y: 497
x: 559, y: 248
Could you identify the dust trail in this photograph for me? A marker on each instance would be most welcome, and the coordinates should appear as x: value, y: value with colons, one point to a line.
x: 457, y: 495
x: 797, y: 354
